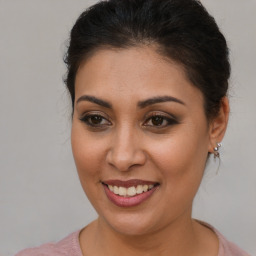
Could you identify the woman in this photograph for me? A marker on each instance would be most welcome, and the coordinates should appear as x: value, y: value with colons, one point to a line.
x: 148, y: 81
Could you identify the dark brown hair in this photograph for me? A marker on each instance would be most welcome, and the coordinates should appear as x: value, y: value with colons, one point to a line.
x: 182, y: 29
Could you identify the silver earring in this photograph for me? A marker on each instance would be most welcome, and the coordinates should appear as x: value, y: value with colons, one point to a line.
x: 216, y: 150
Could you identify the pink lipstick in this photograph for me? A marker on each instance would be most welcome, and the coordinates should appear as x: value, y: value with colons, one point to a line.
x: 129, y: 193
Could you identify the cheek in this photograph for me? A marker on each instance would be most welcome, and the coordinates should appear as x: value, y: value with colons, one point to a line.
x: 180, y: 162
x: 88, y: 155
x: 181, y: 157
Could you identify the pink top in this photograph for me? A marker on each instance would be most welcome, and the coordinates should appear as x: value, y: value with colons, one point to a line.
x: 70, y: 246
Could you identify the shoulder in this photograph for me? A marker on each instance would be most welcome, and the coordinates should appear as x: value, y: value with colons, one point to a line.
x: 69, y: 246
x: 228, y: 248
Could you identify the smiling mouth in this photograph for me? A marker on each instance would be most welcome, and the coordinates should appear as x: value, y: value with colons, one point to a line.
x: 129, y: 188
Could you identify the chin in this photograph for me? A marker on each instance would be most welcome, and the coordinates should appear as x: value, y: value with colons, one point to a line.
x: 131, y: 224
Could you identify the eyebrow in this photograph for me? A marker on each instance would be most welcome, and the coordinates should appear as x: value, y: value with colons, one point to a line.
x: 141, y: 104
x: 94, y: 100
x: 159, y: 99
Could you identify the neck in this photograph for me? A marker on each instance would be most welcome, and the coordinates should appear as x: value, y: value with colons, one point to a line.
x: 178, y: 238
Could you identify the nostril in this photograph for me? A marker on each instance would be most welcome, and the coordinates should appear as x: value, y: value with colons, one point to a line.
x: 123, y: 161
x: 125, y: 150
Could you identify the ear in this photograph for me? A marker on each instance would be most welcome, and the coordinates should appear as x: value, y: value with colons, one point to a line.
x: 218, y: 125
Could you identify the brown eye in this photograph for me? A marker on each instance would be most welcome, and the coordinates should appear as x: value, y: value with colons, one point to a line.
x: 97, y: 121
x: 160, y: 121
x: 157, y: 120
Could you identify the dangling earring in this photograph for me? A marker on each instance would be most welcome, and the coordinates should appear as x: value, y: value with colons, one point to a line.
x: 216, y: 150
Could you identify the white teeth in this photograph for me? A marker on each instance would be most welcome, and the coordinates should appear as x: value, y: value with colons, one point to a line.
x: 122, y: 191
x: 116, y: 190
x: 139, y: 189
x: 145, y: 188
x: 131, y: 191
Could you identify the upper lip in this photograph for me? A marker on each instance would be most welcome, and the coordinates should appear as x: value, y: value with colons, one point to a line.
x: 128, y: 183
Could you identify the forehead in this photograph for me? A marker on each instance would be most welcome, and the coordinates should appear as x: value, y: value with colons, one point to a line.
x: 138, y: 72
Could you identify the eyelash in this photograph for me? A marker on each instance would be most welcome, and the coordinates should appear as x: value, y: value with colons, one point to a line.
x: 87, y: 119
x: 169, y: 120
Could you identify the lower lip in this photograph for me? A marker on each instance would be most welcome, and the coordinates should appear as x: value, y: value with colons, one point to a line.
x: 128, y: 201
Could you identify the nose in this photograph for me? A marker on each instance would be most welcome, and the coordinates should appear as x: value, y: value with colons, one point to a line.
x: 126, y: 150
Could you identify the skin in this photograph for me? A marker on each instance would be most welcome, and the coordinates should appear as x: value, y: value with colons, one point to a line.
x: 126, y: 144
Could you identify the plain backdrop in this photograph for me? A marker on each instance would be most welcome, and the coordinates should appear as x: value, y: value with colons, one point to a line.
x: 40, y: 195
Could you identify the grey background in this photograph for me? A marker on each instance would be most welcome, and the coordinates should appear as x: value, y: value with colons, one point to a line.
x: 40, y: 196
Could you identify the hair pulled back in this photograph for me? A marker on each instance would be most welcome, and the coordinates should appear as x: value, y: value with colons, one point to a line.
x: 182, y: 30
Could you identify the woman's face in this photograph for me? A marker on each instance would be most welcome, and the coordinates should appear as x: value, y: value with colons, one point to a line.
x: 139, y: 129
